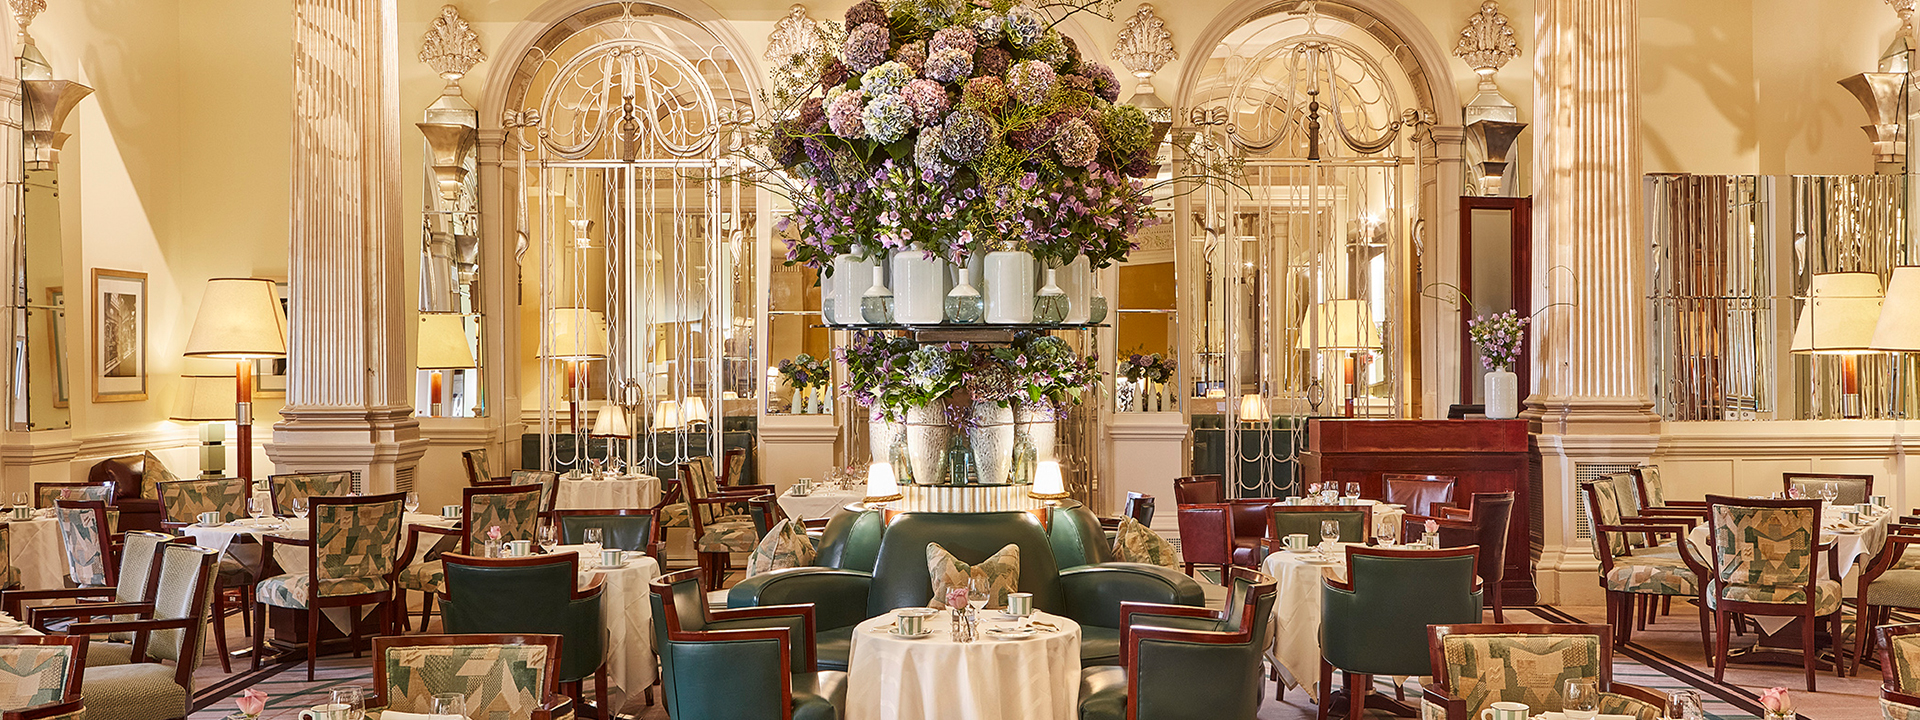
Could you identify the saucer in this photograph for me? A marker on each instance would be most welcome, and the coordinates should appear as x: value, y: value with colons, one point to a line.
x: 1011, y: 633
x: 903, y: 636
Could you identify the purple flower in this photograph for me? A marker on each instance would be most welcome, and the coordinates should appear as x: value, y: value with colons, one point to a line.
x: 1030, y: 82
x: 992, y: 61
x: 843, y: 114
x: 1105, y: 83
x: 967, y: 134
x: 867, y: 11
x: 913, y: 55
x: 986, y: 93
x: 949, y: 65
x: 811, y: 117
x: 952, y: 38
x: 866, y: 47
x: 927, y: 98
x: 834, y: 73
x: 887, y: 119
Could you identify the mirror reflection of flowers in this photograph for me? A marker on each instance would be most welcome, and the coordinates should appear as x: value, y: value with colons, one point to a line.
x: 1498, y: 338
x: 1153, y: 368
x: 803, y: 372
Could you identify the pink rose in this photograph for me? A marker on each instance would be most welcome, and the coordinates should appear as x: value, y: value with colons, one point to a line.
x: 1433, y: 527
x: 1776, y: 701
x: 493, y: 533
x: 956, y: 597
x: 252, y: 703
x: 1313, y: 489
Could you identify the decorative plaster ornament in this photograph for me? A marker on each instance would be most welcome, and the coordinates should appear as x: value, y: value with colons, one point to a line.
x: 1486, y: 43
x: 450, y: 46
x: 1144, y: 45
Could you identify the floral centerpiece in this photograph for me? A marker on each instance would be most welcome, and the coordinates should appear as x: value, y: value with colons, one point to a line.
x: 1777, y: 703
x: 1498, y: 338
x: 803, y: 371
x: 1151, y: 368
x: 251, y: 704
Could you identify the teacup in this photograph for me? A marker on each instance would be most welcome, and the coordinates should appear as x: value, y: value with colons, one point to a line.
x: 612, y: 557
x: 1020, y: 603
x: 22, y: 512
x: 913, y: 621
x: 519, y: 548
x: 1865, y: 509
x: 1505, y: 711
x: 1297, y: 542
x: 210, y: 518
x: 1879, y: 501
x: 334, y: 711
x: 1851, y: 516
x: 449, y: 511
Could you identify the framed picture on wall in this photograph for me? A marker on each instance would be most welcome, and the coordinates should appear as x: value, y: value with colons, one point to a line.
x: 119, y: 335
x: 57, y: 300
x: 270, y: 374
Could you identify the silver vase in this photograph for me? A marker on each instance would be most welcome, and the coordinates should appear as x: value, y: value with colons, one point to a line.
x: 990, y: 432
x: 927, y: 434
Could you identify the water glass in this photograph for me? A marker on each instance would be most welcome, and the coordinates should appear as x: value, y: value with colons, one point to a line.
x: 547, y: 535
x: 977, y: 592
x: 448, y: 704
x: 1829, y: 492
x: 299, y: 506
x: 592, y: 537
x: 256, y: 507
x: 1685, y: 705
x: 20, y: 499
x: 351, y: 697
x: 1582, y: 699
x: 1329, y: 534
x: 1386, y: 534
x: 1353, y: 490
x: 413, y: 502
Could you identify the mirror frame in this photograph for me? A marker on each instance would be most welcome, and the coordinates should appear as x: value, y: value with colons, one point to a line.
x: 1519, y: 276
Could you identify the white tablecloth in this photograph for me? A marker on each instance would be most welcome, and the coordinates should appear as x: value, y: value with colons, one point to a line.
x: 293, y: 558
x: 626, y: 612
x: 36, y: 550
x: 1856, y: 545
x: 1296, y: 612
x: 935, y: 678
x: 628, y: 492
x: 10, y: 626
x: 821, y: 503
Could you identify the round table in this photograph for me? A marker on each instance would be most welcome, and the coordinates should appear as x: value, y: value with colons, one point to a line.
x: 36, y: 550
x: 1297, y: 578
x: 821, y: 503
x: 627, y: 492
x: 934, y: 677
x: 626, y: 615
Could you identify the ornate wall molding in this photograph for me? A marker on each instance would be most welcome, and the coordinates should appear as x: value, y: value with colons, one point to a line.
x: 451, y: 47
x: 24, y: 11
x: 1486, y: 43
x: 794, y: 35
x: 1144, y: 44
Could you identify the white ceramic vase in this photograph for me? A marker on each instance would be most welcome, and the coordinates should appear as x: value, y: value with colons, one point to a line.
x: 990, y: 434
x: 850, y: 280
x: 799, y: 406
x: 1009, y: 287
x: 1502, y: 395
x: 886, y: 440
x: 1039, y: 423
x: 919, y: 288
x: 927, y: 437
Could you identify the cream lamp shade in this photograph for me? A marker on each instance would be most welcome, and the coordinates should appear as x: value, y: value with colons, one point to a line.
x: 1048, y: 483
x: 576, y: 334
x: 1342, y: 324
x: 882, y: 486
x: 204, y: 398
x: 443, y: 342
x: 240, y: 319
x: 1840, y: 315
x: 1898, y: 329
x: 611, y: 422
x: 666, y: 415
x: 695, y: 410
x: 1253, y: 409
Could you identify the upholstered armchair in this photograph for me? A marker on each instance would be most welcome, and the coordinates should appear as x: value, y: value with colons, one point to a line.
x: 136, y: 584
x: 623, y: 528
x: 136, y: 479
x: 1199, y: 490
x: 1652, y: 496
x: 1852, y: 489
x: 1356, y: 522
x: 1634, y: 575
x: 504, y: 677
x: 479, y: 471
x: 1475, y: 666
x: 1076, y: 537
x: 1420, y: 494
x: 1138, y: 506
x: 89, y: 547
x: 351, y: 543
x: 41, y: 677
x: 1891, y: 580
x: 752, y: 662
x: 182, y: 501
x: 1765, y: 562
x: 47, y: 495
x: 288, y: 487
x: 515, y: 509
x: 1483, y: 524
x: 1899, y: 653
x: 718, y: 531
x: 1185, y: 662
x: 548, y: 480
x: 532, y: 595
x: 1206, y: 535
x: 1371, y: 624
x: 844, y: 596
x: 157, y: 684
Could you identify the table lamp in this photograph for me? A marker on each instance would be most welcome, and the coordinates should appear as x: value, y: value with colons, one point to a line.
x: 241, y: 320
x: 666, y: 416
x: 207, y: 399
x: 881, y: 485
x: 611, y: 422
x: 695, y: 411
x: 1253, y: 409
x: 1839, y: 319
x: 1346, y: 326
x: 442, y: 345
x: 1898, y: 329
x: 574, y: 336
x: 1048, y: 483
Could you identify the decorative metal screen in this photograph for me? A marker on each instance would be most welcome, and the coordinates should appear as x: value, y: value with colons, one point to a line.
x: 1711, y: 276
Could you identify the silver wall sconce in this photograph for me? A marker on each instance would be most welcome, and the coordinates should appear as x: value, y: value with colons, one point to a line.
x: 1883, y: 94
x: 47, y: 100
x: 1493, y: 123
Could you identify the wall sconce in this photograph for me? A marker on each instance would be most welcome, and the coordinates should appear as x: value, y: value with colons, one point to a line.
x: 46, y: 104
x: 1496, y: 141
x: 1883, y: 95
x: 448, y: 144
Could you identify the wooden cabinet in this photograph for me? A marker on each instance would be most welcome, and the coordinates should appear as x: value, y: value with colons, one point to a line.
x: 1485, y: 456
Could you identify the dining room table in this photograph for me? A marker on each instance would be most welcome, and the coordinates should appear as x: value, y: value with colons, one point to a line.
x: 935, y: 676
x: 626, y: 616
x: 1298, y: 577
x: 600, y: 492
x: 10, y: 626
x: 822, y: 501
x: 36, y: 549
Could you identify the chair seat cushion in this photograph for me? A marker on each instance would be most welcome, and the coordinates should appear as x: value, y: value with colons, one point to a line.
x: 430, y: 576
x: 1896, y: 588
x: 1658, y: 551
x: 1103, y: 693
x: 1099, y: 646
x: 145, y: 690
x: 1827, y: 600
x: 675, y: 515
x: 101, y: 654
x: 1891, y: 710
x: 728, y: 537
x: 833, y: 647
x: 291, y: 591
x: 1652, y: 574
x: 819, y: 695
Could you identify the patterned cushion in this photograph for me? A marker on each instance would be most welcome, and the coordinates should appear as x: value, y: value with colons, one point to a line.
x: 291, y: 591
x: 1896, y: 588
x: 1627, y: 499
x: 1616, y: 704
x: 516, y: 514
x: 288, y: 487
x: 1605, y: 496
x: 428, y: 576
x: 184, y: 500
x: 33, y: 674
x: 1135, y: 543
x: 1905, y: 651
x: 357, y: 541
x: 1828, y: 600
x: 152, y: 473
x: 1527, y: 668
x: 1001, y: 572
x: 1656, y: 575
x: 80, y: 533
x: 1656, y: 495
x: 501, y: 682
x: 1891, y: 710
x: 546, y: 479
x: 8, y: 573
x: 1765, y: 554
x: 675, y: 515
x: 785, y: 546
x: 83, y: 493
x: 699, y: 484
x: 734, y: 536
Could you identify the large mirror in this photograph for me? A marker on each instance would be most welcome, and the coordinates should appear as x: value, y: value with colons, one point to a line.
x: 1495, y: 277
x: 40, y: 382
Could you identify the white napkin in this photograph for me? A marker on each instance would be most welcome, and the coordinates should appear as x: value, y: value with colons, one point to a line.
x: 397, y: 715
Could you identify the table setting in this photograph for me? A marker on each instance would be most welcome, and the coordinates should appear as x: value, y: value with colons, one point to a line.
x: 600, y: 490
x: 34, y: 542
x: 968, y: 664
x: 810, y: 500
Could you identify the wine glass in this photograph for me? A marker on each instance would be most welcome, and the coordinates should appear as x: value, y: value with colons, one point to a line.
x: 1583, y: 699
x: 1329, y: 534
x: 1829, y: 492
x: 1353, y: 490
x: 19, y: 499
x: 299, y: 506
x: 256, y: 507
x: 1685, y: 705
x: 546, y: 532
x: 1385, y: 534
x: 977, y: 593
x: 413, y: 502
x: 448, y: 704
x: 592, y: 537
x: 351, y: 697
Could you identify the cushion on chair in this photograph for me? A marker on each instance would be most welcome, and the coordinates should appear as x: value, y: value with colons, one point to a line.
x: 729, y: 537
x: 818, y: 695
x: 10, y: 579
x: 1001, y: 571
x: 675, y: 515
x: 501, y: 682
x: 144, y: 691
x: 1103, y: 693
x: 786, y: 545
x: 1135, y: 543
x: 1617, y: 704
x: 291, y: 591
x: 1656, y: 575
x: 1891, y: 710
x: 1896, y: 588
x: 34, y: 675
x: 1904, y: 650
x: 1828, y: 601
x: 109, y: 653
x: 430, y: 576
x: 1526, y: 668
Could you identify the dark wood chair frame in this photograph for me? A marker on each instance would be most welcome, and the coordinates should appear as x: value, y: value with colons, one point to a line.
x: 654, y: 544
x: 142, y: 624
x: 554, y: 703
x: 594, y: 587
x: 40, y: 488
x: 70, y: 702
x: 1274, y: 542
x: 662, y: 587
x: 1869, y: 617
x: 109, y: 550
x: 1131, y: 635
x: 1451, y: 482
x: 1889, y: 675
x: 1625, y: 610
x: 1787, y: 478
x: 220, y: 607
x: 464, y: 531
x: 1457, y: 709
x: 382, y: 600
x: 1804, y: 611
x: 715, y: 564
x: 1219, y: 482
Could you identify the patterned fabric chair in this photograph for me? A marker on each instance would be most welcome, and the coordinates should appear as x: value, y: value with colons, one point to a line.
x: 757, y: 662
x: 182, y: 501
x: 1765, y: 563
x: 504, y: 677
x: 40, y: 677
x: 171, y: 630
x: 1652, y: 495
x: 1475, y: 666
x: 479, y: 471
x: 137, y: 583
x: 1634, y: 577
x: 548, y: 480
x: 1852, y: 489
x: 9, y: 574
x: 717, y: 534
x: 284, y: 489
x: 1899, y: 671
x: 1891, y: 580
x: 45, y: 494
x: 351, y: 543
x: 515, y: 509
x: 83, y: 533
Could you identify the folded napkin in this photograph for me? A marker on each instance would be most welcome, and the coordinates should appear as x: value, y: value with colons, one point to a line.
x: 397, y: 715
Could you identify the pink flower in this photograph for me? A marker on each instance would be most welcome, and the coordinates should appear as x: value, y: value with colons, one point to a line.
x: 1313, y: 489
x: 956, y: 597
x: 252, y: 703
x: 493, y: 533
x: 1776, y: 701
x: 1432, y: 527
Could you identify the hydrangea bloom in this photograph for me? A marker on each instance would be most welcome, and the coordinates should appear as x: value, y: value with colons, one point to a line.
x: 987, y: 93
x: 967, y: 134
x: 1035, y: 135
x: 926, y: 154
x: 867, y: 11
x: 1077, y: 83
x: 1127, y: 131
x: 928, y: 100
x: 1143, y: 165
x: 949, y: 65
x: 866, y: 47
x: 811, y: 117
x: 887, y: 119
x: 886, y: 79
x: 1030, y: 82
x: 1024, y: 25
x: 1076, y: 143
x: 952, y: 38
x: 843, y: 114
x: 913, y: 55
x: 989, y: 29
x: 992, y: 61
x: 834, y: 73
x: 1105, y: 83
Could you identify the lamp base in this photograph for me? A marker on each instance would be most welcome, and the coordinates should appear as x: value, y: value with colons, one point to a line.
x: 1049, y: 496
x: 881, y: 499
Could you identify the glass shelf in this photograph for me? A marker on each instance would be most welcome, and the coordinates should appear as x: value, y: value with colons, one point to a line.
x: 978, y: 332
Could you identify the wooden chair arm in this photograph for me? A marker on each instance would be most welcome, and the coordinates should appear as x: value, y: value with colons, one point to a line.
x: 1701, y: 504
x: 1899, y: 697
x: 114, y: 626
x: 1130, y: 608
x: 1646, y: 695
x: 39, y: 616
x: 49, y: 710
x: 11, y: 599
x: 1453, y: 709
x: 1450, y: 512
x: 413, y: 540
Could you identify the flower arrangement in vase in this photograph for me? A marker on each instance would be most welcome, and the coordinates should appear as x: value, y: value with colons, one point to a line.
x: 805, y: 374
x: 1777, y: 704
x: 1498, y: 338
x: 251, y: 704
x: 1143, y: 369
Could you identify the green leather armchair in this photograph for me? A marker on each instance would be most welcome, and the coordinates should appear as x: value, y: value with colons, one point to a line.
x: 623, y: 528
x: 1376, y: 622
x: 531, y: 596
x: 1077, y: 537
x: 741, y: 663
x: 845, y: 594
x: 1180, y: 662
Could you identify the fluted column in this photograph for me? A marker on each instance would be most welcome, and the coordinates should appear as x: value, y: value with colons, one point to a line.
x: 348, y: 365
x: 1590, y: 403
